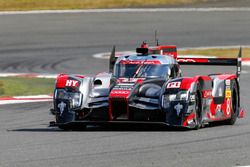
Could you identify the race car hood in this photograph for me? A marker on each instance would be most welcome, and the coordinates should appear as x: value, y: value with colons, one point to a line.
x: 124, y: 87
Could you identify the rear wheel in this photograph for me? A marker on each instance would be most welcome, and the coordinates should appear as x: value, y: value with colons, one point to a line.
x: 198, y: 109
x: 234, y: 103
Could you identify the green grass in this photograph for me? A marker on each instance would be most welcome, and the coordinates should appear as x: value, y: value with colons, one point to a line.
x: 18, y: 86
x: 230, y: 53
x: 12, y: 5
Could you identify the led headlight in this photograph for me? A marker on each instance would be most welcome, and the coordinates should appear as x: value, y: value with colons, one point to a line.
x: 182, y: 95
x: 74, y: 98
x: 172, y: 97
x: 165, y: 101
x: 60, y: 94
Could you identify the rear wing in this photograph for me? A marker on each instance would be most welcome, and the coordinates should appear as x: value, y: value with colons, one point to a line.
x: 213, y: 61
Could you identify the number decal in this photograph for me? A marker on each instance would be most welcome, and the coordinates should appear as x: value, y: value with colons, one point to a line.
x: 174, y: 85
x: 228, y: 106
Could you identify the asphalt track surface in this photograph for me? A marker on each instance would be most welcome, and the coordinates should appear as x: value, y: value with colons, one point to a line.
x: 53, y: 43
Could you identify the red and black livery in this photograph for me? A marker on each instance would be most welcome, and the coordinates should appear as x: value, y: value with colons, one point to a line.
x: 148, y: 87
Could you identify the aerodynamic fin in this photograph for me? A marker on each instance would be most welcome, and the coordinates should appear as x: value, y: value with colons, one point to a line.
x: 112, y: 60
x: 239, y: 63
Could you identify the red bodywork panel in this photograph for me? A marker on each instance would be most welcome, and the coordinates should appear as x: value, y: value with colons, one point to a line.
x: 186, y: 82
x: 118, y: 96
x: 225, y: 107
x: 63, y: 80
x: 122, y: 95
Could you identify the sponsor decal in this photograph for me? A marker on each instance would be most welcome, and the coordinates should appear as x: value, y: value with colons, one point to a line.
x: 120, y: 92
x: 122, y: 88
x: 185, y: 60
x: 192, y: 60
x: 192, y: 98
x: 218, y: 108
x: 71, y: 83
x: 228, y: 82
x: 207, y: 93
x: 125, y: 84
x: 178, y: 108
x: 174, y: 85
x: 140, y: 62
x: 228, y: 93
x: 130, y: 81
x: 61, y: 107
x: 220, y: 92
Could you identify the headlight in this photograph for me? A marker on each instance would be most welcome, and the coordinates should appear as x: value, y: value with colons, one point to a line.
x: 165, y: 101
x: 182, y: 95
x: 61, y: 94
x: 74, y: 98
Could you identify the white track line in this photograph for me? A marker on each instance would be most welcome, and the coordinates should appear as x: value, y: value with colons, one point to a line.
x: 28, y: 75
x: 246, y: 63
x: 4, y: 102
x: 129, y: 10
x: 25, y: 99
x: 33, y: 97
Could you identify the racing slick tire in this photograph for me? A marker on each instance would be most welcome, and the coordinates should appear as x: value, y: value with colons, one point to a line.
x: 198, y: 108
x: 235, y: 104
x: 63, y: 127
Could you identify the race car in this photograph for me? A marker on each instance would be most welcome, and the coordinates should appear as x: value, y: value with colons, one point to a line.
x: 148, y: 88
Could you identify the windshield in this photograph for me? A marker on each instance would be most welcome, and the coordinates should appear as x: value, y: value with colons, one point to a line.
x: 140, y: 71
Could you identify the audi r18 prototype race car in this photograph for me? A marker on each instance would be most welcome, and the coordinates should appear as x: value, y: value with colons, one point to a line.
x: 148, y: 87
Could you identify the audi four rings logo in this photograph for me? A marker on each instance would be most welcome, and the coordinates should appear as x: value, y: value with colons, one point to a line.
x: 120, y: 92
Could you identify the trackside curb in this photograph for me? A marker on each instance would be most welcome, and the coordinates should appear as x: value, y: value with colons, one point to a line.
x: 28, y: 75
x: 25, y: 99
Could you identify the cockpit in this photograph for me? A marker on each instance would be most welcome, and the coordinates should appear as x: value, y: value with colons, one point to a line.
x: 141, y: 71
